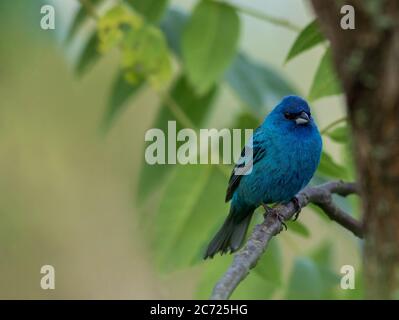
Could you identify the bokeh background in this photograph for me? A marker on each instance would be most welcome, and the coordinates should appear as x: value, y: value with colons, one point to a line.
x: 67, y: 192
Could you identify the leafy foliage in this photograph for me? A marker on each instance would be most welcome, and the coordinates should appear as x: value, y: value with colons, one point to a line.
x: 329, y: 168
x: 209, y: 43
x: 172, y: 26
x: 144, y: 51
x: 204, y: 45
x: 152, y: 10
x: 312, y: 277
x: 196, y: 109
x: 339, y: 134
x: 121, y: 91
x: 89, y: 54
x: 258, y: 86
x: 305, y: 280
x: 309, y: 37
x: 325, y: 81
x: 80, y: 19
x: 299, y: 228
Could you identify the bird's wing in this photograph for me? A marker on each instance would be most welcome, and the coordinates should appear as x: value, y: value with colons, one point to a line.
x: 243, y: 165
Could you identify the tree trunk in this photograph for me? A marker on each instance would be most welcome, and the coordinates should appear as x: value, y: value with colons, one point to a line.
x: 367, y: 63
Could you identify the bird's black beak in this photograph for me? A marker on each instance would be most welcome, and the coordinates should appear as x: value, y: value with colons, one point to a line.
x: 303, y: 118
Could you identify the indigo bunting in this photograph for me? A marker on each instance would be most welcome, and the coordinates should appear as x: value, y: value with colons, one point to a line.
x: 286, y: 151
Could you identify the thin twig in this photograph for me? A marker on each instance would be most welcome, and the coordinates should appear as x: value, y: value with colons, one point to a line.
x: 247, y: 258
x: 265, y: 17
x: 177, y: 111
x: 182, y: 117
x: 332, y: 125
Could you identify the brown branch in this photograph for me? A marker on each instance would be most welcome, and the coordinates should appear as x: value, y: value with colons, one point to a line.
x: 247, y: 258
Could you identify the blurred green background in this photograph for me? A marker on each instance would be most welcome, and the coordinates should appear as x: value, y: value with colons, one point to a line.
x: 67, y: 192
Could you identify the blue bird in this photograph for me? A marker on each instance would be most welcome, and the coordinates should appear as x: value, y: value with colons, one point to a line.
x: 285, y: 151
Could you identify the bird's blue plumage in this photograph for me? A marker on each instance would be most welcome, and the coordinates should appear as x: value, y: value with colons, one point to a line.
x: 286, y: 152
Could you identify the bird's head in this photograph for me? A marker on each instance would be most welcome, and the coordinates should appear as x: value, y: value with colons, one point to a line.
x: 292, y: 112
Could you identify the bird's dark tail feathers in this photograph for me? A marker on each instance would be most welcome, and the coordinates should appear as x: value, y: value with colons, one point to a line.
x: 231, y: 235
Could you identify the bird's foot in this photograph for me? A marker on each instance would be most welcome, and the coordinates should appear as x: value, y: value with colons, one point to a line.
x: 297, y: 207
x: 281, y: 218
x: 267, y: 209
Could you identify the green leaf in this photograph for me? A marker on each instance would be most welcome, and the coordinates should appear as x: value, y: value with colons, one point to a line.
x: 212, y: 271
x: 187, y: 215
x: 152, y: 10
x: 246, y: 120
x: 269, y: 266
x: 115, y: 24
x: 325, y: 82
x: 328, y: 167
x: 309, y: 37
x: 172, y: 26
x: 79, y: 19
x: 348, y: 157
x: 88, y: 55
x: 121, y: 91
x: 196, y: 109
x: 339, y: 134
x: 209, y: 43
x: 145, y: 55
x: 314, y: 277
x: 323, y: 257
x: 299, y: 228
x: 305, y: 281
x: 257, y: 85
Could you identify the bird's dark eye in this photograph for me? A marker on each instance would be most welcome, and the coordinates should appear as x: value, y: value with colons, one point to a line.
x: 289, y: 116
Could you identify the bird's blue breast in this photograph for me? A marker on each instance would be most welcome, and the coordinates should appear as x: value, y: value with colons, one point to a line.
x: 288, y: 165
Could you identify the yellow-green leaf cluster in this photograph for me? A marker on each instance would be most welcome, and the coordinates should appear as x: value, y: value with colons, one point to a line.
x: 145, y: 56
